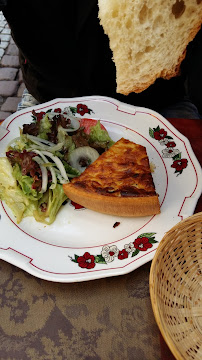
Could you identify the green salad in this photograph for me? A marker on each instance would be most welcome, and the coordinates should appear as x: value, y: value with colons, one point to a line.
x: 54, y: 148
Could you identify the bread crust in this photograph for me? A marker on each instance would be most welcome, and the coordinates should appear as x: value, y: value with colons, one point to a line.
x: 118, y: 183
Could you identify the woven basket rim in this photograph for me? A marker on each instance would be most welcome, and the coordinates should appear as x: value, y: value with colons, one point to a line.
x: 181, y: 225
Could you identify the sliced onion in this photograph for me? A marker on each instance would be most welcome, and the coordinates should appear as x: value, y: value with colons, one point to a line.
x: 41, y: 146
x: 57, y: 147
x: 43, y: 172
x: 37, y: 140
x: 74, y: 123
x: 52, y: 170
x: 61, y: 179
x: 85, y: 152
x: 58, y: 163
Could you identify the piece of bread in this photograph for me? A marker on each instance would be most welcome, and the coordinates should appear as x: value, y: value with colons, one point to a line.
x: 148, y: 38
x: 118, y: 183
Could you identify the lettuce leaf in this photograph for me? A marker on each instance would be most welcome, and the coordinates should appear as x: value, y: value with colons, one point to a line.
x: 100, y: 136
x: 53, y: 200
x: 13, y: 196
x: 71, y: 172
x: 20, y: 143
x: 22, y: 201
x: 25, y: 183
x: 64, y: 138
x: 45, y: 127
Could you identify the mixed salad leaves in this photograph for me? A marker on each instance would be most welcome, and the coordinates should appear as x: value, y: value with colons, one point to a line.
x: 55, y: 147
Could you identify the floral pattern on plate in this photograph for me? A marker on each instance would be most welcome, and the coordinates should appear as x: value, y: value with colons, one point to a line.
x: 108, y: 254
x: 170, y: 150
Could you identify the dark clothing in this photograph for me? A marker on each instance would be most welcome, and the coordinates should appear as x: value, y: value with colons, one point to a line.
x: 193, y: 70
x: 65, y: 53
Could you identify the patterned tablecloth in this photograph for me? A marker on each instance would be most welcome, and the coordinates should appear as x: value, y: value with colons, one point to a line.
x: 106, y: 319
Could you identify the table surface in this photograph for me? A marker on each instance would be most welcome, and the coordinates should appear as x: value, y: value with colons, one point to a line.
x: 102, y: 319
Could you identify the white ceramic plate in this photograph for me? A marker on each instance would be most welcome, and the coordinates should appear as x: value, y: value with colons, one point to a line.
x: 84, y: 245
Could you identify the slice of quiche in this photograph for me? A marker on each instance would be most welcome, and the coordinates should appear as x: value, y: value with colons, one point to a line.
x: 118, y: 183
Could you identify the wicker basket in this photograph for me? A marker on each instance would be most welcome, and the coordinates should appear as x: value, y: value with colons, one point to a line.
x: 176, y: 288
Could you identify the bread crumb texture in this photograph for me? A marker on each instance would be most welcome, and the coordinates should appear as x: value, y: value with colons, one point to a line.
x: 148, y: 38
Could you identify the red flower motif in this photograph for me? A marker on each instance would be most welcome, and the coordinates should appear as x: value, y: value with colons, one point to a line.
x: 159, y: 135
x: 179, y: 165
x: 58, y: 110
x: 82, y: 109
x: 170, y: 144
x: 86, y: 261
x: 40, y: 115
x: 142, y: 244
x: 122, y: 254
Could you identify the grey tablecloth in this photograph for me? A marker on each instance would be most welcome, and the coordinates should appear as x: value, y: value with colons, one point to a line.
x: 108, y: 319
